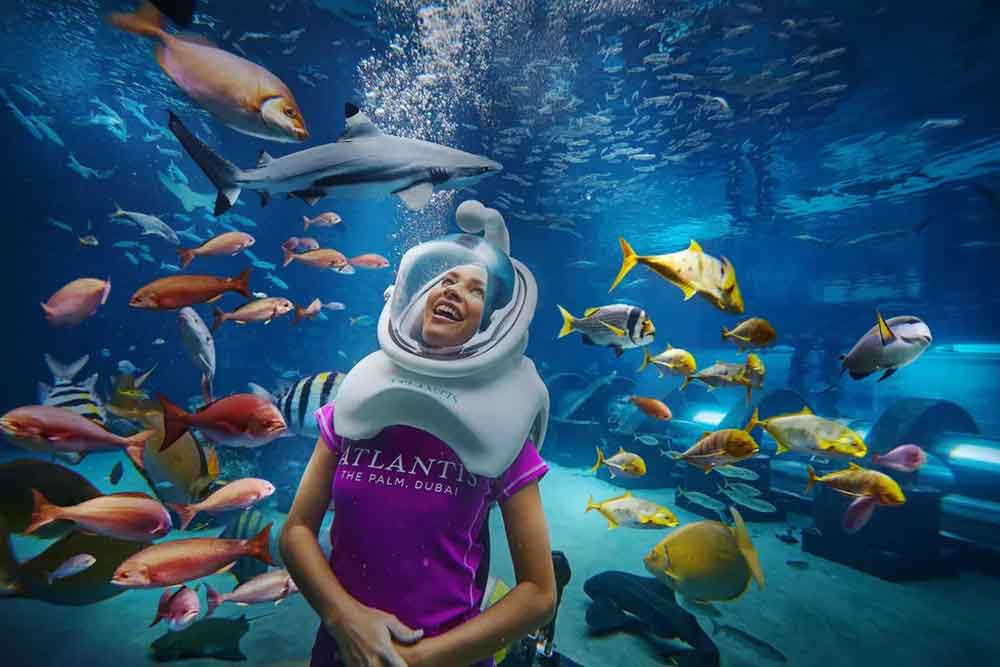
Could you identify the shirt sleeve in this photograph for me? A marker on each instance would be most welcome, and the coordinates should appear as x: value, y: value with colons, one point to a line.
x: 528, y: 467
x: 324, y: 419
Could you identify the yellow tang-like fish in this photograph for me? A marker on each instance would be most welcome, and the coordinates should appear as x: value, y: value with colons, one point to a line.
x: 707, y: 561
x: 624, y: 464
x: 806, y: 433
x: 672, y: 360
x: 693, y: 272
x: 627, y: 510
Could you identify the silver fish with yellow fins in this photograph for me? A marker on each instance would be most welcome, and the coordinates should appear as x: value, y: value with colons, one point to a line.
x: 693, y: 272
x: 806, y: 433
x: 618, y: 326
x: 623, y: 464
x: 627, y: 510
x: 707, y: 561
x: 672, y: 361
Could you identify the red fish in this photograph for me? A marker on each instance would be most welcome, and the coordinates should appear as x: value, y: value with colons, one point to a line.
x: 50, y: 429
x: 179, y: 561
x: 175, y: 292
x: 180, y: 609
x: 238, y: 495
x: 240, y: 420
x: 124, y: 516
x: 905, y: 458
x: 76, y: 301
x: 654, y: 408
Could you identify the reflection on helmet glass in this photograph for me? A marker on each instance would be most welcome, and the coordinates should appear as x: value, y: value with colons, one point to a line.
x: 454, y: 297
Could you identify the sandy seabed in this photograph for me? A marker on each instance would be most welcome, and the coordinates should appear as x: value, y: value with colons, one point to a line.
x: 825, y: 615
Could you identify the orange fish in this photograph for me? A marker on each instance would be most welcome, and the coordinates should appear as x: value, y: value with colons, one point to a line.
x: 229, y: 243
x: 652, y: 407
x: 175, y: 292
x: 321, y: 258
x: 179, y: 561
x: 309, y: 311
x: 242, y: 94
x: 240, y: 420
x: 370, y: 261
x: 262, y: 310
x: 124, y: 516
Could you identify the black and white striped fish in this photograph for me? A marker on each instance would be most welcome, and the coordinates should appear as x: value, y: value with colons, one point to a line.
x: 299, y: 402
x: 65, y: 393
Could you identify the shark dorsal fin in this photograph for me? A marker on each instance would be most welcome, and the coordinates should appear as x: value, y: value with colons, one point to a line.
x: 264, y: 159
x: 357, y: 124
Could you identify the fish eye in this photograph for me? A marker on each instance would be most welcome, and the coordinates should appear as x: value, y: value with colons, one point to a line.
x: 290, y: 112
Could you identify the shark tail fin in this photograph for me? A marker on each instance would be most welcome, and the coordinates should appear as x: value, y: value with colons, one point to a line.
x: 223, y: 173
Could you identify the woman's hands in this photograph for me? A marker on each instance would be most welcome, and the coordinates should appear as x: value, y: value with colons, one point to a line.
x: 365, y: 637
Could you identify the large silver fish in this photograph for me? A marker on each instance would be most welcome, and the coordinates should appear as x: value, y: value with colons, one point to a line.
x: 65, y: 393
x: 888, y: 346
x: 618, y: 326
x: 299, y: 402
x: 200, y: 346
x: 362, y: 163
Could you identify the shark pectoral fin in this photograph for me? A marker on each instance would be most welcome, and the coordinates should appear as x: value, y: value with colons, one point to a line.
x: 416, y: 196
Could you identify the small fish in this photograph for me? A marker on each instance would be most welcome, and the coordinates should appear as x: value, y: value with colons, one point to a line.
x: 158, y: 341
x: 261, y: 310
x: 648, y: 440
x: 362, y: 321
x: 180, y: 609
x: 706, y: 501
x: 756, y: 504
x: 328, y: 219
x: 673, y: 361
x: 737, y: 472
x: 754, y: 333
x: 334, y: 305
x: 60, y: 225
x: 618, y: 326
x: 652, y: 407
x: 275, y: 280
x: 625, y: 464
x: 744, y: 489
x: 869, y: 489
x: 72, y: 566
x: 116, y: 473
x: 627, y: 510
x: 905, y: 458
x: 132, y: 258
x: 806, y: 433
x: 89, y: 240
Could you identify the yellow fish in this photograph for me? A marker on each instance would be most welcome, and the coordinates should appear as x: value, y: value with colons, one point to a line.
x: 707, y: 561
x: 674, y: 361
x: 723, y: 447
x: 623, y: 463
x: 755, y: 332
x: 627, y: 510
x: 806, y: 433
x: 693, y: 272
x: 869, y: 488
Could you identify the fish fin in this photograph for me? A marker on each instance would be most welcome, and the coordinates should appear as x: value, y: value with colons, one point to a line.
x: 257, y: 390
x: 884, y: 332
x: 590, y: 311
x: 612, y: 524
x: 186, y: 256
x: 213, y: 598
x: 858, y: 514
x: 223, y: 174
x: 746, y: 547
x: 805, y: 410
x: 600, y: 460
x: 851, y: 465
x: 416, y: 196
x: 241, y: 283
x: 218, y: 317
x: 147, y: 21
x: 859, y: 376
x: 226, y: 568
x: 615, y: 330
x: 567, y: 327
x: 812, y: 480
x: 618, y: 351
x: 43, y: 512
x: 175, y: 422
x: 264, y: 159
x: 629, y: 260
x: 694, y: 247
x: 687, y: 289
x: 357, y: 124
x: 645, y: 361
x: 260, y: 546
x: 206, y: 387
x: 782, y: 448
x: 887, y: 374
x: 289, y: 257
x: 591, y: 505
x: 136, y: 446
x: 186, y: 512
x: 754, y: 421
x: 68, y: 371
x: 685, y: 383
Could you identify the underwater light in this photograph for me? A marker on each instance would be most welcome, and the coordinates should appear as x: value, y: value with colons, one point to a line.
x: 977, y: 348
x: 975, y: 453
x: 710, y: 417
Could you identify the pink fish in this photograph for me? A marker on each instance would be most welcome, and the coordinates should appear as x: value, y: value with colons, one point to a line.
x: 178, y: 561
x: 241, y: 494
x: 309, y: 311
x: 858, y: 514
x: 370, y: 261
x: 180, y: 609
x: 323, y: 258
x: 905, y: 458
x: 273, y: 586
x: 240, y: 420
x: 49, y: 429
x: 300, y: 243
x: 124, y: 516
x: 328, y: 219
x: 229, y: 243
x: 76, y: 301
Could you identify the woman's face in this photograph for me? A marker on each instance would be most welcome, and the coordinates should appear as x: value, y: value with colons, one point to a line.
x: 455, y: 307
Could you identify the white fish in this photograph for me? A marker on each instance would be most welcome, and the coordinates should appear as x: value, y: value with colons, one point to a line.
x: 72, y: 566
x: 149, y: 224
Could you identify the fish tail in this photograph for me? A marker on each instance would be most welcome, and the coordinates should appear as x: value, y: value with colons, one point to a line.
x: 241, y: 283
x: 136, y: 445
x: 306, y: 221
x: 754, y: 421
x: 645, y: 360
x: 260, y: 546
x: 175, y: 422
x: 147, y: 21
x: 213, y: 599
x: 812, y: 479
x: 725, y: 334
x: 187, y: 513
x: 186, y: 255
x: 590, y: 505
x: 298, y: 314
x: 629, y: 261
x: 600, y: 460
x: 223, y: 173
x: 685, y: 383
x: 206, y: 387
x: 567, y: 327
x: 218, y: 317
x: 289, y: 257
x: 42, y: 513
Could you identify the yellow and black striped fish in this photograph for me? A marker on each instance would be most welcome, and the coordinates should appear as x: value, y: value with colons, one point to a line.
x: 300, y: 400
x: 65, y: 393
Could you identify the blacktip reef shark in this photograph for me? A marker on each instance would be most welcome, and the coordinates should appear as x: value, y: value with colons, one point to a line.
x: 364, y: 162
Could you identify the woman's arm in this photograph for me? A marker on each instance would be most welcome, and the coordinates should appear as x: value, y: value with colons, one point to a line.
x: 527, y: 607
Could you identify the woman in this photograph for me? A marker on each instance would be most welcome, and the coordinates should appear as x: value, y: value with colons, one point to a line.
x: 429, y: 449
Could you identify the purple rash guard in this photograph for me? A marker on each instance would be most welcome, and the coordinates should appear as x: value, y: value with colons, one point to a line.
x: 410, y: 533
